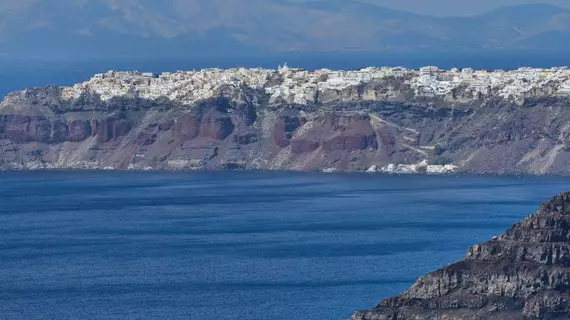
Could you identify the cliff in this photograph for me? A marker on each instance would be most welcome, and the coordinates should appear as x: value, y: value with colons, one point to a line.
x: 291, y: 119
x: 522, y: 274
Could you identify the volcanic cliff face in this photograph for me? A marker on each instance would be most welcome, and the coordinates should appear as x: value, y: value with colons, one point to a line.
x: 522, y: 274
x: 245, y: 125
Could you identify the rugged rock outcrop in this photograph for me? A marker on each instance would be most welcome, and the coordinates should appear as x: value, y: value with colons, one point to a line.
x: 522, y: 274
x: 241, y: 127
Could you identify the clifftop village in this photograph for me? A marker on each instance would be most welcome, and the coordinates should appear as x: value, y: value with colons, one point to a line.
x: 299, y: 85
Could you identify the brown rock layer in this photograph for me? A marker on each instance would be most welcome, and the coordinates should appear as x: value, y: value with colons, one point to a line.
x: 353, y: 129
x: 522, y: 274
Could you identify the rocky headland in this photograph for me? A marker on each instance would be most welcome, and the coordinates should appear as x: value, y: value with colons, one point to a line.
x: 522, y: 274
x: 373, y: 119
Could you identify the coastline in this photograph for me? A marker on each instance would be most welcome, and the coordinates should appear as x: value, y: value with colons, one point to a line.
x: 374, y: 119
x: 457, y: 174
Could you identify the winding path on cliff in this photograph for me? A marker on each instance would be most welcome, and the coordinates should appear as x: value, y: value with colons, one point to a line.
x: 409, y: 134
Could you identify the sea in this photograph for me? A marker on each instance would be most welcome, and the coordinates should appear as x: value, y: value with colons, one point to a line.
x: 238, y: 245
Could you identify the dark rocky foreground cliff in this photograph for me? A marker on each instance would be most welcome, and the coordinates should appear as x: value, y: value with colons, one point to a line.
x: 375, y: 124
x: 522, y: 274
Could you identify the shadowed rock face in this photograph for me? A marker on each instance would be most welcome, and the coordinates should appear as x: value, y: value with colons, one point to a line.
x: 352, y: 129
x: 108, y: 129
x: 284, y: 130
x: 522, y: 274
x: 214, y: 124
x: 77, y: 130
x: 22, y: 128
x: 335, y: 132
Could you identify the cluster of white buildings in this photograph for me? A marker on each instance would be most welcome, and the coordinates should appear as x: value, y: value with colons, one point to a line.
x: 183, y: 86
x: 513, y: 84
x: 422, y: 167
x: 301, y: 86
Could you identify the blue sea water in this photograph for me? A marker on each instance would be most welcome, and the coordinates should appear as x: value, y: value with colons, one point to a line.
x: 106, y: 245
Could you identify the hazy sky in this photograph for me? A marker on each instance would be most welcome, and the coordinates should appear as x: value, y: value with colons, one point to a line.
x: 431, y: 7
x: 458, y: 7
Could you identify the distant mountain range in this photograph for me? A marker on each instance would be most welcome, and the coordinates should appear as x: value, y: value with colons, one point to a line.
x: 177, y: 28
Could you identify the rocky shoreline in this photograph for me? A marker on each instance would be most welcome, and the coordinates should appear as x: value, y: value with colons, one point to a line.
x: 522, y: 274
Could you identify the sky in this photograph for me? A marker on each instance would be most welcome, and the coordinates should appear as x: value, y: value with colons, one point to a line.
x: 457, y: 7
x: 429, y: 7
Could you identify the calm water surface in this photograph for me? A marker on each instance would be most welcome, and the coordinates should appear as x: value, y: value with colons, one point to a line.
x: 237, y: 245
